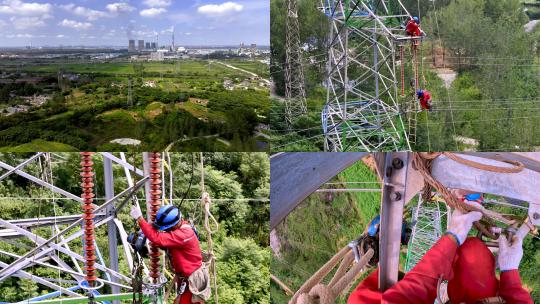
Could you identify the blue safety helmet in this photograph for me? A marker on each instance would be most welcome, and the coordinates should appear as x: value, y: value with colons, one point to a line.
x: 420, y: 93
x: 416, y: 19
x: 373, y: 227
x: 167, y: 217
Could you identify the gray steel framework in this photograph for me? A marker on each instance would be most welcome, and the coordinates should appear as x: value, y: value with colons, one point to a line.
x: 57, y: 246
x: 295, y: 91
x: 294, y: 176
x: 361, y: 111
x: 426, y: 232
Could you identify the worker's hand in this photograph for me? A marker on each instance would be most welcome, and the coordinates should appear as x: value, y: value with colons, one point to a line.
x: 510, y: 254
x: 135, y: 212
x: 461, y: 224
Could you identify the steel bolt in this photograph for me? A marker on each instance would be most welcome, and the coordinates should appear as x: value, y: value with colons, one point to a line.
x: 536, y: 216
x: 397, y: 163
x: 396, y: 196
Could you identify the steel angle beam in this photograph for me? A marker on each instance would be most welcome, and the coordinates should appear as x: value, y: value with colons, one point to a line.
x: 20, y: 166
x: 4, y: 272
x: 25, y: 275
x: 41, y: 182
x: 521, y: 186
x: 294, y: 176
x: 123, y: 163
x: 392, y: 204
x: 41, y: 262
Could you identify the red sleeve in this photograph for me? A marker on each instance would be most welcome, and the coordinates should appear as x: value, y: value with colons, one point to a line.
x: 367, y: 291
x: 427, y: 96
x: 511, y: 290
x: 162, y: 239
x: 420, y: 284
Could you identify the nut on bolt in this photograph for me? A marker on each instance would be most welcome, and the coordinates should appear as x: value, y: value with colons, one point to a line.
x: 396, y: 196
x: 397, y: 163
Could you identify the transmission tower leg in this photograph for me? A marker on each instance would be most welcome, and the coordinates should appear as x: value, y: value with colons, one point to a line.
x: 111, y: 227
x: 392, y: 203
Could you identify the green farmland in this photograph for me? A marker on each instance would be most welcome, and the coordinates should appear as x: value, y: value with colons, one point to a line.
x: 187, y: 105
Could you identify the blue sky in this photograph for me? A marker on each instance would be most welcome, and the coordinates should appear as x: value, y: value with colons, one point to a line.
x: 113, y: 22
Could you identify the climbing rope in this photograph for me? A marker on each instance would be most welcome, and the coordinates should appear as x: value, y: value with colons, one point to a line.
x: 205, y: 201
x: 518, y: 166
x: 313, y: 291
x: 422, y: 163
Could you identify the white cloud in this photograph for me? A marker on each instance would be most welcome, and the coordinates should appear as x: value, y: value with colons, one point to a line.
x: 60, y: 36
x: 88, y: 13
x: 157, y: 3
x: 75, y: 25
x: 24, y: 23
x: 223, y: 9
x: 20, y: 36
x: 119, y: 7
x: 145, y: 33
x: 17, y: 7
x: 152, y: 12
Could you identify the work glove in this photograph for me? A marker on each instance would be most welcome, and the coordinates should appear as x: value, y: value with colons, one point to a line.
x: 135, y: 212
x: 461, y: 223
x: 510, y: 254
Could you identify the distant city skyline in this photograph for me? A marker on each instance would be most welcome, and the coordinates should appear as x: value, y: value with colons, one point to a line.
x: 114, y: 22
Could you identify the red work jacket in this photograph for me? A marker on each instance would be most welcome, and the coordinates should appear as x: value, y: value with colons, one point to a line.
x: 427, y: 97
x: 420, y: 284
x: 413, y: 29
x: 182, y: 244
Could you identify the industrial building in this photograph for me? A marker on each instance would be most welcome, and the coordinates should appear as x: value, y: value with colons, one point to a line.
x: 141, y: 45
x: 131, y: 47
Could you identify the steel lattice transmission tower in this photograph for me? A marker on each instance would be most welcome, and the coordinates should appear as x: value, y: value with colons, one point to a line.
x: 426, y: 232
x: 361, y: 111
x: 295, y: 91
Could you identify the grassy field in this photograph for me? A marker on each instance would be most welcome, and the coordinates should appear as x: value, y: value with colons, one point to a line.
x: 256, y: 67
x: 40, y: 145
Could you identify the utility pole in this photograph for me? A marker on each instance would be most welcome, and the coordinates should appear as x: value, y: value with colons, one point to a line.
x: 295, y: 91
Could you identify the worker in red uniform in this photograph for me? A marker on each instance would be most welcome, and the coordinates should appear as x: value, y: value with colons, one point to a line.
x: 425, y: 99
x: 466, y: 263
x: 180, y: 240
x: 412, y: 28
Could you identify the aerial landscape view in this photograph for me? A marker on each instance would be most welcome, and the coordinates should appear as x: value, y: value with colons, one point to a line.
x: 416, y: 75
x: 148, y: 75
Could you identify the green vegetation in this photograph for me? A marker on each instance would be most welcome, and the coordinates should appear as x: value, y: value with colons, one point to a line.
x: 39, y: 145
x: 90, y: 106
x: 324, y: 223
x: 241, y: 243
x: 492, y: 105
x: 319, y: 227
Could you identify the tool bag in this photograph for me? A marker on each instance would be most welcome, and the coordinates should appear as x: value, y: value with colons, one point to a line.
x: 199, y: 281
